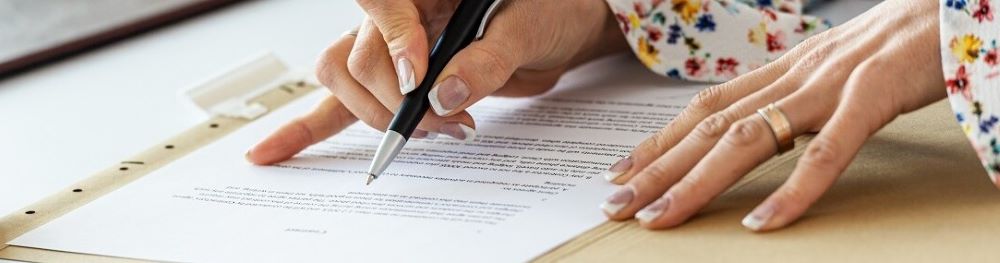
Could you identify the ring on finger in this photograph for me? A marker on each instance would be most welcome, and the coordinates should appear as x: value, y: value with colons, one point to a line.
x: 781, y: 128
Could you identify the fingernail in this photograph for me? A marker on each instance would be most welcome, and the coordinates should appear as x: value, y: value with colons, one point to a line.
x: 248, y: 155
x: 431, y: 136
x: 759, y: 217
x: 418, y: 134
x: 654, y: 210
x: 459, y: 131
x: 618, y: 200
x: 448, y: 95
x: 618, y: 169
x: 404, y: 71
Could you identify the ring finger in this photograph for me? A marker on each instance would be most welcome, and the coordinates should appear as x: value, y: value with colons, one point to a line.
x: 748, y: 143
x: 670, y: 167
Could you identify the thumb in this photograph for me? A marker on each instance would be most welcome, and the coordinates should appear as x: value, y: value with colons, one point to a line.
x: 475, y: 72
x: 490, y: 66
x: 404, y: 34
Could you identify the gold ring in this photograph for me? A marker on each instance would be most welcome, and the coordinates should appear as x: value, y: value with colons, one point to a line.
x: 780, y: 127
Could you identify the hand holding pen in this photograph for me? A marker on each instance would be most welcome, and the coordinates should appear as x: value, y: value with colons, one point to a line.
x: 527, y: 47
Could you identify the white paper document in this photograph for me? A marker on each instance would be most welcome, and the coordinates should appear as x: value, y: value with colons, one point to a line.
x: 530, y: 181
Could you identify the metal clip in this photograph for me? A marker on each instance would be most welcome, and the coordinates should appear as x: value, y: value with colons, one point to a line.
x: 486, y: 18
x: 229, y: 93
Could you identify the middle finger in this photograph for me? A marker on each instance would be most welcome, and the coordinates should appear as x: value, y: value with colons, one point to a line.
x: 371, y: 66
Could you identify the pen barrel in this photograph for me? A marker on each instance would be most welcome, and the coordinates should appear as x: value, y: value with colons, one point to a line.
x: 459, y: 33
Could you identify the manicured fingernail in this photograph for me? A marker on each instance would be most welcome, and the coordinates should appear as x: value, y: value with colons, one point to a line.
x: 759, y: 217
x: 654, y: 210
x: 459, y: 131
x: 418, y: 134
x: 249, y: 155
x: 618, y: 169
x: 618, y: 200
x: 404, y: 71
x: 448, y: 95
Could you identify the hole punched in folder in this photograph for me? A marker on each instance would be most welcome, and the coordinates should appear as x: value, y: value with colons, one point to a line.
x: 29, y: 212
x: 213, y: 125
x: 77, y: 190
x: 169, y: 146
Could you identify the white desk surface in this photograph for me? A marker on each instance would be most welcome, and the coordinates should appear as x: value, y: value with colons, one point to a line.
x: 63, y: 122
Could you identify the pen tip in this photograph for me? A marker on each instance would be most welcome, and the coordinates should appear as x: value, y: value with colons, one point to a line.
x: 371, y: 177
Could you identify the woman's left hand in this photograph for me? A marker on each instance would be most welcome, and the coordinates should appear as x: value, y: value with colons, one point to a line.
x: 845, y: 84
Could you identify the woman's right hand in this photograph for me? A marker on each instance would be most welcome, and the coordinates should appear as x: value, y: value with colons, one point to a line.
x: 524, y: 52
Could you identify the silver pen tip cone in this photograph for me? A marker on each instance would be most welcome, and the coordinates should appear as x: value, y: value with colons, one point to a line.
x: 371, y: 177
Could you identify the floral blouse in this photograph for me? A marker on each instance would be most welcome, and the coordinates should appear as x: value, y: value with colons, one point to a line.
x: 969, y: 48
x: 716, y: 40
x: 680, y: 38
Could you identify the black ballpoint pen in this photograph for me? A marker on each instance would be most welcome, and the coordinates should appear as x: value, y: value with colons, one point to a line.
x: 466, y: 24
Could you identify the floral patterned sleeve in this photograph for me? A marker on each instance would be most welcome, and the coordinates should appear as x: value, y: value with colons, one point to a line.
x: 969, y: 48
x: 712, y: 40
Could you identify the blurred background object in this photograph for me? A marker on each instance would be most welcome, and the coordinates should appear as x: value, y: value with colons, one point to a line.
x: 63, y: 121
x: 34, y: 32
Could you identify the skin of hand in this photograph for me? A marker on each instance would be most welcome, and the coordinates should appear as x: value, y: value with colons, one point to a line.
x: 524, y: 52
x: 844, y: 84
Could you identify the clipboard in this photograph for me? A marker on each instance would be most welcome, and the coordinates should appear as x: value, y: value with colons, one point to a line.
x: 915, y: 193
x: 233, y: 98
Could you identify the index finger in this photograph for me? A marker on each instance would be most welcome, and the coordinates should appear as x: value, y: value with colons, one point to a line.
x: 329, y: 118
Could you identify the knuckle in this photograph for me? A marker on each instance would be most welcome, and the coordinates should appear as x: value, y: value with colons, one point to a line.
x: 802, y: 49
x: 707, y: 100
x: 325, y: 75
x: 684, y: 122
x: 656, y: 175
x: 396, y: 29
x: 821, y: 154
x: 712, y: 127
x: 744, y: 133
x: 819, y: 50
x: 830, y: 36
x: 791, y: 193
x: 873, y: 68
x: 329, y: 68
x: 361, y: 64
x: 813, y: 59
x: 835, y: 67
x: 656, y: 143
x: 813, y: 41
x: 490, y: 61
